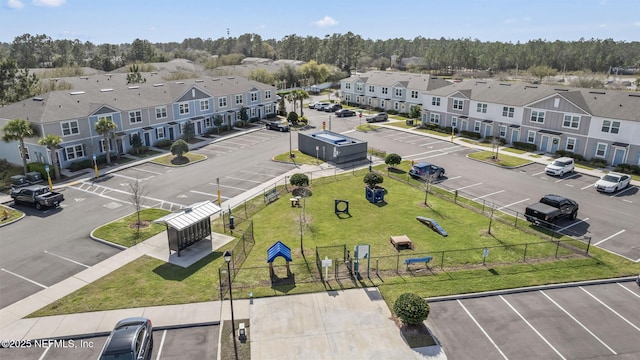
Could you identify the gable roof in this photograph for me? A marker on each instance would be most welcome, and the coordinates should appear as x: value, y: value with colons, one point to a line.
x: 278, y: 249
x: 189, y: 216
x: 411, y: 81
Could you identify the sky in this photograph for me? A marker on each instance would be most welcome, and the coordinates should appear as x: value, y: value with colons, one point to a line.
x: 123, y: 21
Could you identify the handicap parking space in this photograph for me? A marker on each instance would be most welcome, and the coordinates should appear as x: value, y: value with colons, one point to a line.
x: 584, y: 322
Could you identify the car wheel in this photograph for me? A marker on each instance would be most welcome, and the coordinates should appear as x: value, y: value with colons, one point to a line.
x: 574, y: 215
x: 281, y: 129
x: 38, y: 206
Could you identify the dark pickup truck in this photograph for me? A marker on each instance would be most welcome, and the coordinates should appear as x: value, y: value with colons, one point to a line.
x: 38, y: 195
x: 550, y: 209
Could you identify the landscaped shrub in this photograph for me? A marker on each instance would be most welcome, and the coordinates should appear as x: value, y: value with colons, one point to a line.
x: 489, y: 139
x: 393, y: 160
x: 470, y: 134
x: 299, y: 180
x: 138, y: 151
x: 524, y: 146
x: 628, y: 169
x: 292, y: 117
x: 163, y: 144
x: 392, y: 112
x: 411, y: 308
x: 373, y: 179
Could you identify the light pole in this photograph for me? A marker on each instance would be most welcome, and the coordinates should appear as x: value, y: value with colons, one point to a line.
x: 227, y: 258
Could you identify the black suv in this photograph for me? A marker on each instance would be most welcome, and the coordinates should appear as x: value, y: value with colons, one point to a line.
x: 131, y: 338
x: 424, y: 171
x: 275, y: 125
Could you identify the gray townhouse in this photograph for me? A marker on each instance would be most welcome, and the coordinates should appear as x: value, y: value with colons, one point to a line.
x: 600, y: 124
x: 386, y: 90
x: 155, y: 110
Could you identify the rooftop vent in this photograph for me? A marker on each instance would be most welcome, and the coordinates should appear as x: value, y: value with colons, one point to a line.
x: 597, y: 92
x: 179, y: 82
x: 561, y: 89
x: 156, y: 85
x: 76, y: 93
x: 199, y: 80
x: 106, y: 90
x: 133, y: 87
x: 38, y: 99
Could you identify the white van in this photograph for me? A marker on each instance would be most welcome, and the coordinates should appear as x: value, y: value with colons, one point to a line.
x: 560, y: 166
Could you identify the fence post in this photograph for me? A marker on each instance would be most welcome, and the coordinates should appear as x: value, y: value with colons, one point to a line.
x: 455, y: 197
x: 397, y: 264
x: 557, y: 247
x: 376, y: 266
x: 442, y: 260
x: 524, y: 256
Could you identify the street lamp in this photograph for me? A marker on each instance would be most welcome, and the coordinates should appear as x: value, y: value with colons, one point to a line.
x: 227, y: 258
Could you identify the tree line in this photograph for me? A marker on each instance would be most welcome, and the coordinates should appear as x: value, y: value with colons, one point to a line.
x: 346, y: 51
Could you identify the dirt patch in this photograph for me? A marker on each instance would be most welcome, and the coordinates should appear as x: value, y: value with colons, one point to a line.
x: 180, y: 160
x: 140, y: 225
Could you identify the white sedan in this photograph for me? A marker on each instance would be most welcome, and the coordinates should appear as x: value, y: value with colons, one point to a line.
x: 612, y: 182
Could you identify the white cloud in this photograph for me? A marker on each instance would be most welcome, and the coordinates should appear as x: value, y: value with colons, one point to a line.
x: 637, y: 23
x: 48, y: 3
x: 326, y: 21
x: 15, y: 4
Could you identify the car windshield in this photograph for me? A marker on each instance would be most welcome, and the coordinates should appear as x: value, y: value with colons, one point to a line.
x: 119, y: 356
x: 559, y: 163
x: 610, y: 178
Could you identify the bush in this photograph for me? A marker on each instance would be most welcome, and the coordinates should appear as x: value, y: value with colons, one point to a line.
x: 299, y: 180
x: 411, y: 308
x: 138, y: 151
x: 163, y: 144
x: 373, y: 179
x: 39, y: 167
x: 292, y: 117
x: 470, y: 134
x: 628, y: 169
x: 393, y: 160
x: 524, y: 146
x: 489, y: 139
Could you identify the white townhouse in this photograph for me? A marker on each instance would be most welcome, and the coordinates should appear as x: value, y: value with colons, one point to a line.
x: 384, y: 90
x: 599, y: 124
x: 155, y: 110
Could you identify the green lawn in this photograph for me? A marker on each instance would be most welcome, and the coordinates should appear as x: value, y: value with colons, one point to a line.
x: 502, y: 160
x: 149, y: 282
x: 125, y: 232
x: 172, y: 160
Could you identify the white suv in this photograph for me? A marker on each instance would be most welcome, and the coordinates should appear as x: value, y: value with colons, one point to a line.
x: 560, y: 166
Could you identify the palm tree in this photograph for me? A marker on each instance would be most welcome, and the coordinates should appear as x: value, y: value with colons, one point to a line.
x: 106, y: 128
x: 300, y: 95
x: 51, y: 142
x: 19, y: 129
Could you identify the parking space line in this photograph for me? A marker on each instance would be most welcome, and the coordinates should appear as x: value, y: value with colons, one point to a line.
x: 568, y: 177
x: 493, y: 193
x: 468, y: 186
x: 629, y: 290
x: 253, y: 181
x: 588, y: 186
x: 578, y: 322
x: 46, y: 350
x: 517, y: 202
x: 574, y: 224
x: 145, y: 170
x: 605, y: 239
x: 208, y: 194
x: 24, y: 278
x: 481, y: 329
x: 610, y: 309
x: 532, y: 328
x: 164, y: 334
x: 623, y: 191
x: 130, y: 177
x: 64, y: 258
x: 230, y: 187
x: 538, y: 173
x: 453, y: 178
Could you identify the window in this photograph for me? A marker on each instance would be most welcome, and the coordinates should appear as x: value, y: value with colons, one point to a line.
x: 396, y: 106
x: 222, y: 102
x: 507, y: 111
x: 359, y: 87
x: 458, y: 104
x: 571, y: 121
x: 601, y: 150
x: 414, y: 94
x: 70, y: 128
x: 369, y: 101
x: 385, y: 90
x: 571, y: 144
x: 502, y: 131
x: 372, y: 88
x: 454, y: 122
x: 435, y: 101
x: 611, y: 126
x: 399, y: 93
x: 239, y: 100
x: 207, y: 121
x: 160, y: 133
x: 161, y: 112
x: 267, y: 94
x: 204, y: 105
x: 107, y: 118
x: 184, y: 108
x: 347, y: 97
x: 537, y: 116
x: 74, y: 152
x: 347, y: 85
x: 481, y: 108
x: 26, y: 153
x: 254, y: 96
x: 531, y: 137
x: 382, y: 104
x: 476, y: 126
x: 135, y: 117
x: 434, y: 118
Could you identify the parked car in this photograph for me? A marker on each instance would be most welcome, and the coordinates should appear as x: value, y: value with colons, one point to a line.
x: 312, y: 105
x: 332, y: 107
x: 560, y: 166
x: 345, y: 113
x: 321, y: 105
x: 38, y: 195
x: 377, y: 117
x: 131, y: 338
x: 612, y: 182
x: 425, y: 170
x: 550, y: 209
x: 276, y: 125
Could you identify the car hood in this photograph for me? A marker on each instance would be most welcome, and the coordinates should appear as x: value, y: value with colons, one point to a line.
x: 606, y: 183
x: 554, y: 167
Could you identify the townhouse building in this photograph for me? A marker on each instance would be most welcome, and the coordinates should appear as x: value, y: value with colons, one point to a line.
x: 155, y: 110
x: 385, y: 90
x: 597, y: 124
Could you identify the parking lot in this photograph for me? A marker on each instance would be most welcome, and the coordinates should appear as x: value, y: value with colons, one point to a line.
x: 188, y: 343
x: 586, y: 322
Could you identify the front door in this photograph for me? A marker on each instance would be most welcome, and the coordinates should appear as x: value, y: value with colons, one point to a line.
x: 488, y: 130
x: 515, y: 135
x: 618, y: 156
x: 147, y: 139
x: 171, y: 133
x: 554, y: 145
x: 544, y: 143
